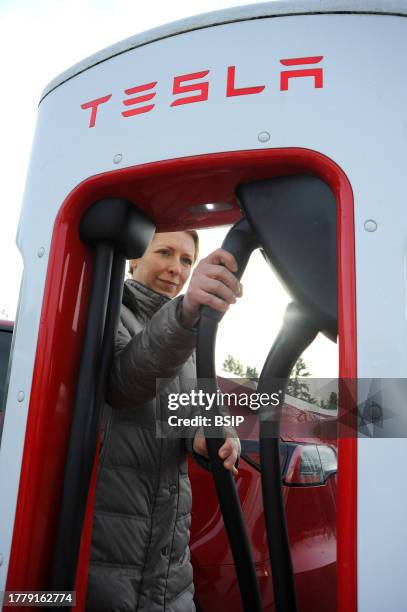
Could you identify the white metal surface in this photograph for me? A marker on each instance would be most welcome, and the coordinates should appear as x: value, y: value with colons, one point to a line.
x: 274, y: 8
x: 357, y: 119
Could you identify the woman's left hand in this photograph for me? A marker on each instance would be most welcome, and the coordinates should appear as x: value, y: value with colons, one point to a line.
x: 229, y: 451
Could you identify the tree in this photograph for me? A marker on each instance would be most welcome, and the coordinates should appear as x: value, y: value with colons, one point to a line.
x: 251, y: 372
x: 296, y: 386
x: 331, y: 403
x: 4, y: 314
x: 235, y: 366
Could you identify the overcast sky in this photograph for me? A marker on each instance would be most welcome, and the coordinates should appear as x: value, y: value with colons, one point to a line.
x: 40, y: 39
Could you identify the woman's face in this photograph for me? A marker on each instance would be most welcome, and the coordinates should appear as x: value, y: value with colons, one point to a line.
x: 166, y: 264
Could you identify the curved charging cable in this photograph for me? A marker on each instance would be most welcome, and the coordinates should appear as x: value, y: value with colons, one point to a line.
x: 241, y: 242
x: 296, y: 334
x: 293, y: 219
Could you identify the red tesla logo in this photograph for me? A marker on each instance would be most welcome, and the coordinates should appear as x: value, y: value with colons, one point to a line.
x: 195, y: 83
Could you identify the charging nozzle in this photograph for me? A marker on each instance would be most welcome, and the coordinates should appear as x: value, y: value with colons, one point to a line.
x: 240, y: 241
x: 294, y: 219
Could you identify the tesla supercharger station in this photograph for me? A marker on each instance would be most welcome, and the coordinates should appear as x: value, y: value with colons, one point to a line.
x: 173, y: 120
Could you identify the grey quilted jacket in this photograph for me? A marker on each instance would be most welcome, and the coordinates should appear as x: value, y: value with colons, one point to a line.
x: 140, y: 557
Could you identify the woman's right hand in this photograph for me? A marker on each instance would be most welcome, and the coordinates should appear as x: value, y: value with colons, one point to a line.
x: 212, y: 284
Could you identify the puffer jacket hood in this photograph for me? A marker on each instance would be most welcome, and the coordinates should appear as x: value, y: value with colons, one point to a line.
x: 140, y: 557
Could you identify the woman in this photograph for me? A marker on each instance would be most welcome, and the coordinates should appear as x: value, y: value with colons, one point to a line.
x: 140, y: 557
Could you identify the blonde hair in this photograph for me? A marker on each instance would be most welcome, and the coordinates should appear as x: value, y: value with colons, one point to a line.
x: 195, y: 238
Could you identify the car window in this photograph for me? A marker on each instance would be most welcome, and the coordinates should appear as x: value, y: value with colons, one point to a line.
x: 5, y: 346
